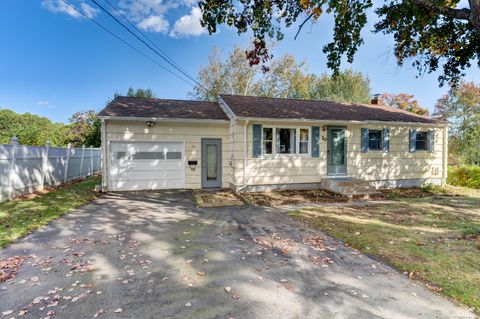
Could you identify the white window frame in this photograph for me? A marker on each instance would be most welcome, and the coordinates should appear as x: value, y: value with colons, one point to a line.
x: 297, y: 141
x: 381, y: 140
x: 426, y: 141
x: 273, y: 141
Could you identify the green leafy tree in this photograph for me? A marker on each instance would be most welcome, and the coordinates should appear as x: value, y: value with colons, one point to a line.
x: 30, y: 129
x: 286, y: 78
x: 461, y: 107
x: 143, y: 93
x: 403, y: 101
x: 84, y: 129
x: 428, y: 33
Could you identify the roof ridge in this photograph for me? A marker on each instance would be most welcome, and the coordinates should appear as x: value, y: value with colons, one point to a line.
x: 160, y: 99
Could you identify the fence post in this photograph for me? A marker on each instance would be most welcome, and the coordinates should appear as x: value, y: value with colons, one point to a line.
x: 91, y: 160
x: 45, y: 162
x: 81, y: 162
x: 11, y: 173
x: 69, y: 146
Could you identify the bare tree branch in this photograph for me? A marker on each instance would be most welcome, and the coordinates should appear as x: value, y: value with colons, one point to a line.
x: 301, y: 25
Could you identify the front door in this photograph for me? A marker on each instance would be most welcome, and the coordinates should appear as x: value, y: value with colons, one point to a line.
x: 211, y: 163
x: 336, y: 149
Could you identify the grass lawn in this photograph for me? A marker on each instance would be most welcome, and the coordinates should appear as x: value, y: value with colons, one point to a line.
x: 19, y: 217
x: 435, y: 239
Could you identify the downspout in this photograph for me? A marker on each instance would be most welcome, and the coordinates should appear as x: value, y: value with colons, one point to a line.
x: 445, y: 155
x: 232, y: 154
x: 103, y: 146
x: 245, y: 153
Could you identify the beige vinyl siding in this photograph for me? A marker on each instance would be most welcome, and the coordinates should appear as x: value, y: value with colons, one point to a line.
x: 398, y: 163
x: 190, y: 134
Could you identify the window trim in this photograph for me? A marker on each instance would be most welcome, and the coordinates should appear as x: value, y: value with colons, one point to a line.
x: 297, y: 141
x: 426, y: 141
x: 380, y: 149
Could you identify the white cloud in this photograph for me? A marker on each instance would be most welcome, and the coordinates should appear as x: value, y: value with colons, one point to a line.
x: 45, y: 103
x: 58, y: 6
x: 154, y: 24
x: 188, y: 25
x: 89, y: 11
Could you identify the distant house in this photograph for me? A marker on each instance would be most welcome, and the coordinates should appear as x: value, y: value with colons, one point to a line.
x: 255, y: 143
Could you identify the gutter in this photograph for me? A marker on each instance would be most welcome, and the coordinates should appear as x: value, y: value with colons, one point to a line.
x: 163, y: 119
x: 269, y: 119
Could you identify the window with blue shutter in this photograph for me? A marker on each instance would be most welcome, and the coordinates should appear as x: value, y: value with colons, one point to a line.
x: 364, y: 140
x: 257, y: 140
x: 431, y: 139
x: 412, y: 140
x: 386, y: 140
x: 315, y: 141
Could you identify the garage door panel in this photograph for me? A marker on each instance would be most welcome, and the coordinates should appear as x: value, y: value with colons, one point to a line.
x: 146, y: 165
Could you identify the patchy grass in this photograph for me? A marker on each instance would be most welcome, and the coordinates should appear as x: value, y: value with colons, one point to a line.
x: 435, y: 240
x: 293, y: 197
x: 217, y: 198
x: 21, y: 216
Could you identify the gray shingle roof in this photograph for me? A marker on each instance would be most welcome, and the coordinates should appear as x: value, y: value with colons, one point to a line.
x: 123, y: 106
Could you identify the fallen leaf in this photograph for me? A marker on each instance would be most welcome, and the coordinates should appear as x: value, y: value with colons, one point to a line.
x: 236, y: 297
x: 228, y: 289
x: 188, y: 304
x: 201, y: 273
x: 6, y: 313
x: 118, y: 310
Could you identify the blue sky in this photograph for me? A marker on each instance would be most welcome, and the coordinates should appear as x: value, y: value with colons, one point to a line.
x: 54, y: 63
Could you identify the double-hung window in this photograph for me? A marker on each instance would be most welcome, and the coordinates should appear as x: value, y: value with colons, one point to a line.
x: 421, y: 141
x: 304, y: 141
x: 267, y: 147
x: 285, y: 141
x: 374, y: 140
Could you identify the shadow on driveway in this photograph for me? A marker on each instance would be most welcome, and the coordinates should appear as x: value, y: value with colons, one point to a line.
x: 156, y: 255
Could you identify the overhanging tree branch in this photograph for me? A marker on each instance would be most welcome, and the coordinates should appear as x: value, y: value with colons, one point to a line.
x: 461, y: 14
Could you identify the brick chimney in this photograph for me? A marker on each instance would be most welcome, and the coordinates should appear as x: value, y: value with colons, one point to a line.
x: 375, y: 99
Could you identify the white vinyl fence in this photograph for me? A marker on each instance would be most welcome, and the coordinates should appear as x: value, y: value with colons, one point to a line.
x: 25, y: 169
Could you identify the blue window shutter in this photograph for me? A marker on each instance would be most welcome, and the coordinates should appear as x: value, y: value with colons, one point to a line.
x: 364, y: 140
x: 430, y: 140
x: 413, y: 140
x: 257, y: 140
x: 386, y: 140
x: 315, y: 141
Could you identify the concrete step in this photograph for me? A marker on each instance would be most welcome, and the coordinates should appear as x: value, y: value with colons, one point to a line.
x: 351, y: 187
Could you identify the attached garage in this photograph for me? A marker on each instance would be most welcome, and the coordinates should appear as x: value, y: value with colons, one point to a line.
x: 146, y: 165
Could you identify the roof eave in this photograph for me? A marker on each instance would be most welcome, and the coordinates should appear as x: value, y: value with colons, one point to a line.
x: 270, y: 119
x: 163, y: 119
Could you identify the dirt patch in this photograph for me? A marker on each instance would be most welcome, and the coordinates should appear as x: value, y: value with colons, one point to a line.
x: 217, y: 198
x: 413, y: 192
x: 293, y: 197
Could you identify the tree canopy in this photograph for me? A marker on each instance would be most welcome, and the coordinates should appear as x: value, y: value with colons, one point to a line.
x: 403, y: 101
x: 461, y: 107
x: 428, y: 33
x: 287, y: 78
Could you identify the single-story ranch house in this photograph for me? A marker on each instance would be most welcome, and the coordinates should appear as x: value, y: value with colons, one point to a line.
x: 255, y: 143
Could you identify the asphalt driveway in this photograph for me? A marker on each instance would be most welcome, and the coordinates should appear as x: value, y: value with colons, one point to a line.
x: 155, y: 255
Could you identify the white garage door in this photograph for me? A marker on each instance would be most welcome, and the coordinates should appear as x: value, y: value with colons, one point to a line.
x: 146, y: 165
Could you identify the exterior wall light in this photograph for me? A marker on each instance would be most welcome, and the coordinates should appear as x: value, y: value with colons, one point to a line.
x: 192, y: 164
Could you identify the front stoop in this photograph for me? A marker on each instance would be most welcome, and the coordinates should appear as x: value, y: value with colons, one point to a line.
x: 348, y: 186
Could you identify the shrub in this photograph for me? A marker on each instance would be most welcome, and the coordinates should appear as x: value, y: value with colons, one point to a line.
x: 468, y: 176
